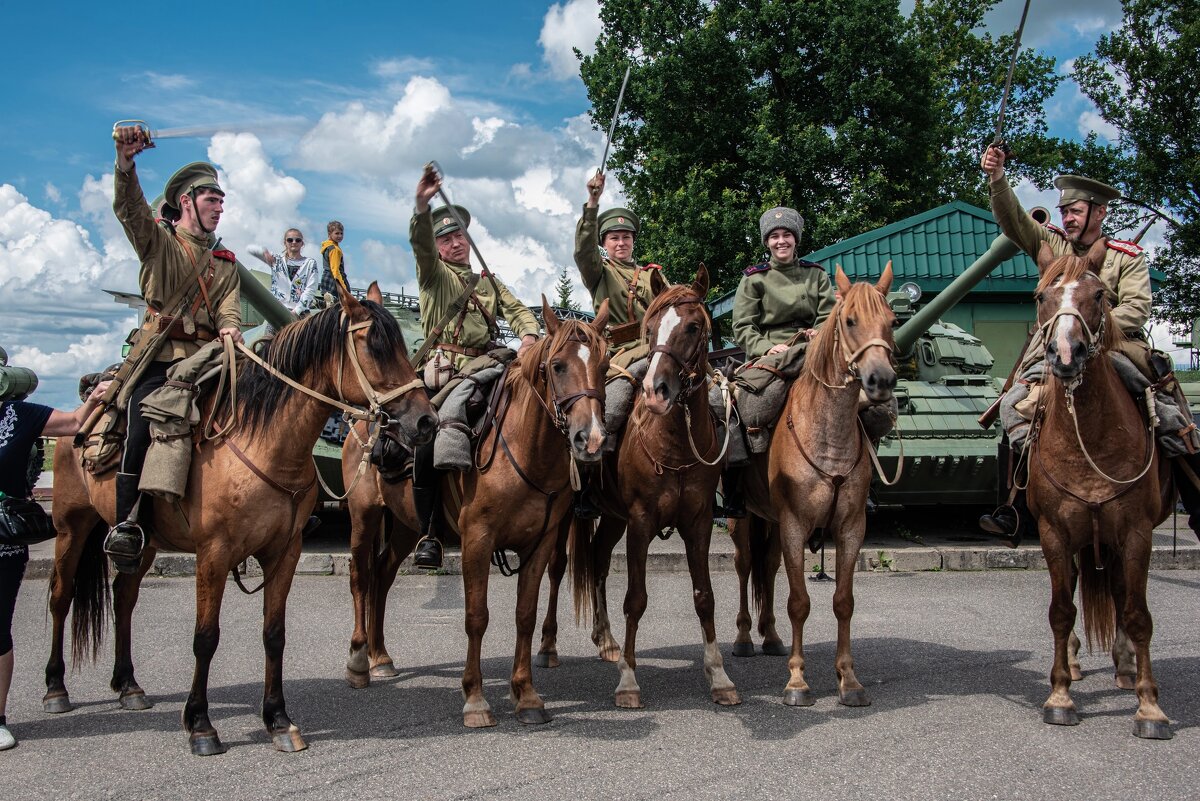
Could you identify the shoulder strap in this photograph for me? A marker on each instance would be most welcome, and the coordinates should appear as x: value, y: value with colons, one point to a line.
x: 459, y: 305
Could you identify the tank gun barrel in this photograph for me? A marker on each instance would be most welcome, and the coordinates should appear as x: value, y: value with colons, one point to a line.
x: 262, y: 300
x: 1001, y: 249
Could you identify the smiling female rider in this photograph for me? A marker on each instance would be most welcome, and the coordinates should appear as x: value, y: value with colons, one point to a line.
x: 775, y: 301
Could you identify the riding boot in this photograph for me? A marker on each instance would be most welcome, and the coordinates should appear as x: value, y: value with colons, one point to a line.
x: 126, y: 539
x: 731, y: 491
x: 428, y: 553
x: 1189, y: 491
x: 585, y: 499
x: 1008, y: 520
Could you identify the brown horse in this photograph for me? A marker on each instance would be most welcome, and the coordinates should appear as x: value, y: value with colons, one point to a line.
x: 1097, y: 485
x: 663, y: 474
x: 517, y: 498
x: 813, y: 483
x: 248, y: 494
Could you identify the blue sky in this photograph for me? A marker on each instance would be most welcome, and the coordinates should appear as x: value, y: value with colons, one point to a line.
x: 332, y: 110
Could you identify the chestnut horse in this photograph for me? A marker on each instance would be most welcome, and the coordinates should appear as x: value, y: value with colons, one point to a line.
x: 813, y: 482
x: 518, y: 498
x: 1097, y: 485
x: 663, y: 474
x: 248, y: 494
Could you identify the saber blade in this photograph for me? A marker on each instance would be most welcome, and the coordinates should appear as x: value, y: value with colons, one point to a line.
x: 998, y: 139
x: 612, y: 126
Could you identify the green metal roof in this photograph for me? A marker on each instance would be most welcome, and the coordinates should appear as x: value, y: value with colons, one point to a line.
x: 932, y: 249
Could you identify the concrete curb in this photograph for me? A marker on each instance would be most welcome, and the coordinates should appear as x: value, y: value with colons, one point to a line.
x: 907, y: 559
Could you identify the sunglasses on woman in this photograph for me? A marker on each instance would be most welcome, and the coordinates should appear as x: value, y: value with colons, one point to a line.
x: 292, y: 239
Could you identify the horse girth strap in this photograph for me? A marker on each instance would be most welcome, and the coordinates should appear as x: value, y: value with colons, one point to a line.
x: 835, y: 479
x: 295, y: 494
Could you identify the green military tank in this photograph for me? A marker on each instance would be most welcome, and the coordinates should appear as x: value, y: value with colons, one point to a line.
x: 944, y: 385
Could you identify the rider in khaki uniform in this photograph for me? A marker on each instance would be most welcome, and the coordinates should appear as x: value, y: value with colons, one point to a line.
x: 604, y: 255
x: 443, y: 257
x: 1083, y: 204
x: 171, y: 252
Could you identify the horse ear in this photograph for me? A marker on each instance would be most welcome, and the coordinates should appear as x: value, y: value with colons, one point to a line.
x: 1096, y: 255
x: 350, y: 304
x: 549, y: 318
x: 885, y: 281
x: 1045, y: 257
x: 601, y: 321
x: 700, y: 285
x: 658, y: 282
x: 843, y: 283
x: 373, y: 293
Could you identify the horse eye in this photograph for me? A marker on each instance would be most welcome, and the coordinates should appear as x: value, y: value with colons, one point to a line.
x: 850, y: 322
x: 895, y: 323
x: 1099, y: 295
x: 1037, y: 298
x: 693, y: 328
x: 558, y: 366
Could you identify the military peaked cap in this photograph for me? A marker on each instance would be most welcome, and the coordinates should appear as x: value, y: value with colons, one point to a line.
x: 1076, y: 187
x: 443, y: 220
x: 781, y: 217
x: 618, y: 219
x: 187, y: 179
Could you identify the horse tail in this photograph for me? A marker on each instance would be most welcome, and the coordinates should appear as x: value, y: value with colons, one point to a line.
x: 1095, y: 593
x: 580, y: 544
x: 91, y: 598
x: 759, y: 537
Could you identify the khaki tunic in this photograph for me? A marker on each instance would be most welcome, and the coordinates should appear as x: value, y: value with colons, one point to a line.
x: 168, y: 259
x: 1125, y: 275
x: 774, y: 301
x: 609, y: 279
x: 439, y: 284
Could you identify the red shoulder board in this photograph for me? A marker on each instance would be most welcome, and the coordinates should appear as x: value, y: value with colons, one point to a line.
x: 1055, y: 229
x: 652, y: 266
x: 225, y: 255
x: 1128, y: 248
x: 757, y: 268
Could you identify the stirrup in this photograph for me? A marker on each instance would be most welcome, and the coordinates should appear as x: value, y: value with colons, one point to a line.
x: 995, y: 524
x: 124, y: 545
x: 428, y: 553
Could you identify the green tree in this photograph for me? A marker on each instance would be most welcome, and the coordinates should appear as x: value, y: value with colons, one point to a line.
x: 565, y: 299
x: 1143, y: 80
x: 842, y: 109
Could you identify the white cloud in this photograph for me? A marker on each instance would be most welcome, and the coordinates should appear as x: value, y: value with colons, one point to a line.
x: 566, y: 27
x: 1092, y: 121
x: 166, y: 82
x: 400, y: 67
x: 52, y: 193
x: 261, y: 202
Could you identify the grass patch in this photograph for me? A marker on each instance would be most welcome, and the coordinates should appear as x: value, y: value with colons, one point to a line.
x: 48, y: 461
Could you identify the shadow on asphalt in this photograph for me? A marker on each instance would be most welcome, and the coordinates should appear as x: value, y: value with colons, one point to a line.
x: 898, y: 674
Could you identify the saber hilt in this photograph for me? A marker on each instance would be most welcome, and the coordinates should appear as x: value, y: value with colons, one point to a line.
x: 140, y: 126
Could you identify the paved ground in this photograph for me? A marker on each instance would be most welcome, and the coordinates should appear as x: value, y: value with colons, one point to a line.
x: 955, y: 663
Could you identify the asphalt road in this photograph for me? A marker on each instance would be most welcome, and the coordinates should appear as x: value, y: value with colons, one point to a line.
x: 956, y: 665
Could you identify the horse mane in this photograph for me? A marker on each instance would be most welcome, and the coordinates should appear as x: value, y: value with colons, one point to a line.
x: 531, y: 361
x: 863, y: 300
x: 1073, y: 268
x: 315, y: 340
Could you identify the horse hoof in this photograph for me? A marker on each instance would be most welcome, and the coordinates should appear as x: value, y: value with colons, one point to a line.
x: 546, y: 659
x: 206, y: 744
x: 358, y: 681
x: 482, y: 719
x: 726, y: 697
x: 384, y: 670
x: 775, y: 648
x: 57, y: 704
x: 533, y: 716
x: 798, y: 698
x: 629, y: 699
x: 290, y: 741
x: 1060, y: 716
x: 1125, y: 681
x: 1076, y: 673
x: 135, y: 701
x: 610, y: 654
x: 854, y: 698
x: 743, y: 649
x: 1152, y: 730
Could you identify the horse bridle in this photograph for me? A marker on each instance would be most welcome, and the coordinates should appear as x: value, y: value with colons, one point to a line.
x: 1094, y: 338
x: 851, y: 357
x: 561, y: 405
x: 689, y: 368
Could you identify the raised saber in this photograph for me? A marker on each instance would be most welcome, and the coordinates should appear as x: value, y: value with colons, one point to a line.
x: 998, y: 139
x: 612, y: 126
x: 187, y: 132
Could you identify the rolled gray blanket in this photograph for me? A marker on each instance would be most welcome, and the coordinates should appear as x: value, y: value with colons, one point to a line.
x: 452, y: 449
